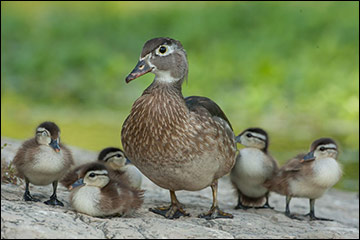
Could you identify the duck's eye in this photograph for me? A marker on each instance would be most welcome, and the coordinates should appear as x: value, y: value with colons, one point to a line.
x: 92, y: 175
x: 322, y: 149
x: 162, y: 49
x: 44, y: 133
x: 118, y: 155
x: 249, y: 135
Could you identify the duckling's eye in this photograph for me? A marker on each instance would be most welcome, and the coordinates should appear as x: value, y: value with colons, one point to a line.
x: 162, y: 49
x: 322, y: 149
x: 92, y: 175
x: 118, y: 155
x: 44, y: 133
x: 249, y: 135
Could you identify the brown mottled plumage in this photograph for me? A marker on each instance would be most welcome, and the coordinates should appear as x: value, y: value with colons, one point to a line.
x: 179, y: 144
x: 308, y: 175
x: 96, y: 193
x: 43, y: 160
x: 254, y: 165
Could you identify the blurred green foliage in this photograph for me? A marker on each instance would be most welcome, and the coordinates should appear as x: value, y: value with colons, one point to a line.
x: 288, y: 67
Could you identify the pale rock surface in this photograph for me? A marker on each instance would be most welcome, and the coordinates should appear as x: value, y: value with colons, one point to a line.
x: 21, y: 219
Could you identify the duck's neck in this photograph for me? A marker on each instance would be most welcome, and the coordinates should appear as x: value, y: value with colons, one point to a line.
x: 160, y: 87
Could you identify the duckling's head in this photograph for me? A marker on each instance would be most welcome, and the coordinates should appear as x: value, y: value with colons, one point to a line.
x: 48, y: 133
x: 94, y: 174
x: 165, y: 57
x: 253, y: 137
x: 114, y: 158
x: 322, y: 148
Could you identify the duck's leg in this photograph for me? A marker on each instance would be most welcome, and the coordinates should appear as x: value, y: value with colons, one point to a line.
x: 173, y: 211
x: 53, y: 199
x: 240, y: 205
x: 311, y: 214
x: 214, y: 211
x: 287, y: 211
x: 266, y: 205
x: 27, y: 195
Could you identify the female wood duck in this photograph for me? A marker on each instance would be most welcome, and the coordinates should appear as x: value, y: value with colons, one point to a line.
x: 254, y: 165
x: 115, y: 159
x: 308, y: 176
x: 43, y: 160
x: 95, y: 193
x: 179, y: 144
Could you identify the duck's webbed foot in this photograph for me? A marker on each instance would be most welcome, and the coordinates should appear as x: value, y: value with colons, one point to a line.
x: 171, y: 212
x: 214, y: 213
x: 174, y: 211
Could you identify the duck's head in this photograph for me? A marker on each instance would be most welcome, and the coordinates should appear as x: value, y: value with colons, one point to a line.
x: 253, y: 137
x: 95, y: 174
x: 114, y: 158
x: 48, y: 133
x: 165, y: 57
x: 322, y: 148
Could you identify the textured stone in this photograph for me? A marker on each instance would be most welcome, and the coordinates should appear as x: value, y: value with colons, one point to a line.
x: 21, y: 219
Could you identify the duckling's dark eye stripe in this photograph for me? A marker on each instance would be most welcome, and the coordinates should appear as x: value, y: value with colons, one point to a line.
x: 106, y: 159
x: 329, y: 148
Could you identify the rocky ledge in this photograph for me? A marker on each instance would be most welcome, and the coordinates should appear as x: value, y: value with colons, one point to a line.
x: 21, y: 219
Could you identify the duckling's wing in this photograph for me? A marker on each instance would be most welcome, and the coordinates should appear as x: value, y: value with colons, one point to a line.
x: 204, y: 105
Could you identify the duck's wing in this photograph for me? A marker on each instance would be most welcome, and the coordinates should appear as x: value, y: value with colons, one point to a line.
x: 204, y: 105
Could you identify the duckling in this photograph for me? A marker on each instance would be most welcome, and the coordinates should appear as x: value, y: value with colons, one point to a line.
x: 308, y: 175
x: 178, y: 143
x: 254, y: 165
x: 96, y: 194
x: 115, y: 159
x: 43, y: 160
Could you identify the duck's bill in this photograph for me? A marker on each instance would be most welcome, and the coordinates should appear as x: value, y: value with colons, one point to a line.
x: 78, y: 183
x: 140, y: 69
x: 309, y: 157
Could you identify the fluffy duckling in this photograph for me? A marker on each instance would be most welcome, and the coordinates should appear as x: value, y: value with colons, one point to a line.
x: 254, y: 165
x: 95, y: 193
x: 308, y: 176
x: 115, y: 159
x: 43, y: 160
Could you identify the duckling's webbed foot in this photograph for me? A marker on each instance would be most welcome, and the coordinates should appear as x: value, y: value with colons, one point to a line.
x: 266, y: 206
x: 53, y: 198
x: 214, y: 213
x: 28, y: 197
x: 293, y: 216
x: 241, y: 206
x: 54, y: 202
x: 313, y: 218
x: 174, y: 211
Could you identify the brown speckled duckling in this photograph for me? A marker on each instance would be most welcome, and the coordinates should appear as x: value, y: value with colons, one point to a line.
x: 95, y: 193
x: 308, y: 175
x: 43, y: 160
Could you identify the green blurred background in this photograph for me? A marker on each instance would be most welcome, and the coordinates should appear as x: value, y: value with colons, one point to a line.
x: 288, y: 67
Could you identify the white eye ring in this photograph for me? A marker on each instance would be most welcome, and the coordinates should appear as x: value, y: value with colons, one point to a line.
x: 44, y: 133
